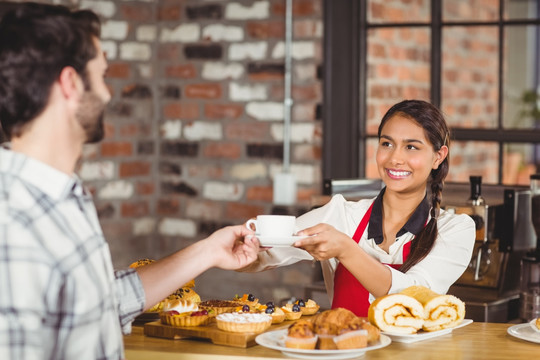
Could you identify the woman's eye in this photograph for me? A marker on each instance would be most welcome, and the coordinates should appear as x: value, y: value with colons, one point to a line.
x: 385, y: 144
x: 411, y: 147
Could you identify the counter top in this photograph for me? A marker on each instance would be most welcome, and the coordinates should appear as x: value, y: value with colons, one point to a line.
x: 476, y: 341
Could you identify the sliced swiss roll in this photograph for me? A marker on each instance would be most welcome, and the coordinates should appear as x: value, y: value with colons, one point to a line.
x: 397, y: 313
x: 440, y: 311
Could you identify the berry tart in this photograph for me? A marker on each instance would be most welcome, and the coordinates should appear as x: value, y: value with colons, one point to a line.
x: 292, y: 311
x: 278, y: 316
x: 183, y: 313
x: 309, y: 307
x: 221, y: 306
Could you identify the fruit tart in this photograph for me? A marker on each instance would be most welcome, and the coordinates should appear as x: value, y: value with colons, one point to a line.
x: 220, y: 306
x: 183, y: 313
x: 309, y: 307
x: 292, y: 311
x: 248, y: 299
x: 278, y: 316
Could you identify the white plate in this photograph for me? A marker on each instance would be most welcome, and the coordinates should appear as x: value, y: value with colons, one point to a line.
x: 524, y: 332
x: 269, y: 241
x: 275, y: 340
x: 533, y: 325
x: 424, y: 335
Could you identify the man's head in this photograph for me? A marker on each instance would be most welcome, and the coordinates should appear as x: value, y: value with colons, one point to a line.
x: 37, y: 42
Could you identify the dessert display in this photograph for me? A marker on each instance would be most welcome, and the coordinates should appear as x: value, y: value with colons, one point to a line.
x: 278, y: 316
x: 336, y: 329
x: 292, y: 311
x: 243, y: 322
x: 247, y: 299
x: 221, y: 306
x: 309, y: 307
x: 300, y: 335
x: 415, y: 308
x: 180, y: 312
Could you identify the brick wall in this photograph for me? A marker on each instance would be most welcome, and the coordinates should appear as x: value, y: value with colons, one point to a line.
x: 195, y: 127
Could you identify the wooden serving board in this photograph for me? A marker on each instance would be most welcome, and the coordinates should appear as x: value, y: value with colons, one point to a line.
x: 210, y: 332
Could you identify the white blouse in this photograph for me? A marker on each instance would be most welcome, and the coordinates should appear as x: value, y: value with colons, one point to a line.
x: 445, y: 263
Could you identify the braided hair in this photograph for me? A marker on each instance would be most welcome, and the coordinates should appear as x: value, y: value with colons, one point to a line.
x: 432, y: 121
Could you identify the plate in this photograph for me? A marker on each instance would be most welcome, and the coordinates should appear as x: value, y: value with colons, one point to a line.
x: 524, y: 332
x: 270, y: 241
x: 424, y: 335
x: 275, y: 340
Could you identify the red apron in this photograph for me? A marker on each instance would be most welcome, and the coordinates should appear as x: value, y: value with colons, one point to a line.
x: 348, y: 292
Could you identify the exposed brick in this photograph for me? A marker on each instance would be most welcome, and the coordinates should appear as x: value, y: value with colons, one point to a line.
x: 265, y: 151
x: 128, y: 130
x: 223, y: 111
x: 105, y: 210
x: 109, y: 130
x: 307, y: 29
x: 180, y: 149
x: 145, y: 188
x: 135, y: 209
x: 169, y: 12
x: 299, y: 8
x: 201, y: 209
x: 307, y: 152
x: 247, y: 131
x: 137, y: 12
x: 213, y: 51
x: 181, y: 111
x: 213, y: 171
x: 137, y: 91
x: 119, y: 71
x: 168, y: 52
x: 203, y: 91
x: 170, y: 92
x: 170, y: 168
x: 116, y: 229
x: 204, y: 12
x: 258, y: 72
x: 260, y: 193
x: 122, y: 109
x: 208, y: 227
x: 134, y: 168
x: 116, y: 149
x: 222, y: 150
x: 307, y: 92
x: 266, y: 29
x: 305, y: 195
x: 178, y: 188
x: 145, y: 147
x: 242, y: 211
x: 181, y: 71
x: 168, y: 206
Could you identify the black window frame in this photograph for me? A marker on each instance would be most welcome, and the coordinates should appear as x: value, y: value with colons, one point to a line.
x: 345, y: 76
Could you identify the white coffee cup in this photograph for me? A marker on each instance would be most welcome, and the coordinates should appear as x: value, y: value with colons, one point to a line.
x: 277, y: 226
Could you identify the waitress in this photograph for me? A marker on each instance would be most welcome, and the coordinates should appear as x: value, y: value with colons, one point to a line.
x: 373, y: 247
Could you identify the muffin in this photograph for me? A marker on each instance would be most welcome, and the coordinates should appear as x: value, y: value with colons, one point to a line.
x: 292, y: 311
x: 300, y: 335
x: 355, y: 339
x: 243, y: 322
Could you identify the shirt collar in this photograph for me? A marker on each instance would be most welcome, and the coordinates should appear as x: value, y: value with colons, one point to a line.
x: 414, y: 225
x: 56, y: 184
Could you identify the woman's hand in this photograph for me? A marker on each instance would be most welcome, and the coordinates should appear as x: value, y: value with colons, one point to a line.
x: 324, y: 242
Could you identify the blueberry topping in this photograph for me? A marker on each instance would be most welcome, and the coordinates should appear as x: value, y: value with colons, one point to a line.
x: 251, y: 297
x: 269, y: 310
x: 301, y: 303
x: 296, y: 308
x: 270, y: 303
x: 245, y: 308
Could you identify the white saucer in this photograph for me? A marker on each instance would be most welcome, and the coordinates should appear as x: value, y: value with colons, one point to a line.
x: 524, y: 332
x: 271, y: 241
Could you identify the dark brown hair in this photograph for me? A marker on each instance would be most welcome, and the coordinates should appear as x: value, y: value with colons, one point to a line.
x: 436, y: 130
x: 37, y: 41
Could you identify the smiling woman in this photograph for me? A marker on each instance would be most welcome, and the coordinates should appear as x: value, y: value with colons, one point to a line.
x: 381, y: 246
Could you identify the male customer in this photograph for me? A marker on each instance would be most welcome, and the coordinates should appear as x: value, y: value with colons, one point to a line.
x: 59, y: 295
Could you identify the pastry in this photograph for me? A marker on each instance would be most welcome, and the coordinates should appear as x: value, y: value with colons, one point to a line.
x: 397, y: 313
x: 248, y: 299
x: 292, y: 311
x: 309, y: 307
x: 183, y: 313
x: 243, y: 322
x: 220, y: 306
x: 185, y: 293
x: 278, y: 316
x: 538, y: 323
x: 300, y: 335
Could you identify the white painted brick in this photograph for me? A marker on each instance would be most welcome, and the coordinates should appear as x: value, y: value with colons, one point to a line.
x: 247, y: 92
x: 177, y: 227
x: 265, y: 110
x: 144, y: 226
x: 221, y: 71
x: 242, y: 51
x: 299, y: 50
x: 135, y: 51
x: 146, y: 33
x: 105, y: 8
x: 258, y: 10
x: 171, y: 129
x: 98, y: 170
x: 182, y: 33
x: 113, y: 29
x: 300, y: 132
x: 146, y: 71
x: 91, y: 151
x: 304, y: 72
x: 199, y: 130
x: 214, y: 190
x: 220, y: 32
x: 203, y: 210
x: 110, y: 49
x: 248, y: 171
x: 305, y: 174
x: 116, y: 190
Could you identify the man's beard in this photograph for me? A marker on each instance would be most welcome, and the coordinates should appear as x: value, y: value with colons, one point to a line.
x: 90, y: 115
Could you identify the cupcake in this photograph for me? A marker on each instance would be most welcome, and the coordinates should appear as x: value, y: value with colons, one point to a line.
x: 300, y: 335
x: 243, y: 322
x: 292, y: 311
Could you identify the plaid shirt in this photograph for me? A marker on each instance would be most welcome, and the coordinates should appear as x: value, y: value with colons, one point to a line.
x: 59, y: 295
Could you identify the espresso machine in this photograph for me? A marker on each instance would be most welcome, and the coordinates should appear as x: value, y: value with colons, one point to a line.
x: 529, y: 302
x: 490, y: 286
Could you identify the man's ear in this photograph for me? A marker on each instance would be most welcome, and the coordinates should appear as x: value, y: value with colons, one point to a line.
x: 70, y: 83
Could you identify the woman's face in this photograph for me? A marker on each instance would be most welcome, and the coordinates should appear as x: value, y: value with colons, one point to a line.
x: 405, y: 157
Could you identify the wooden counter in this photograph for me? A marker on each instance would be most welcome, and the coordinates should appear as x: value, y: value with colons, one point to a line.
x: 476, y: 341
